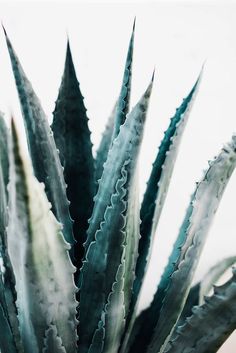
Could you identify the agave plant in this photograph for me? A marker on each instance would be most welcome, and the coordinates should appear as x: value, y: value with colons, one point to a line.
x: 75, y: 243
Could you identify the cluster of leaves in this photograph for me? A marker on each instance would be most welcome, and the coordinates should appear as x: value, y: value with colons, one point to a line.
x: 74, y: 286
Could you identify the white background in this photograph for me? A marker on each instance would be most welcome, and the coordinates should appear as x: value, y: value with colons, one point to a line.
x: 175, y: 37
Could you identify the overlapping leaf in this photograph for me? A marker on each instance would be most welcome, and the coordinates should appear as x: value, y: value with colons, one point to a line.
x: 175, y: 283
x: 39, y: 255
x: 210, y: 324
x: 202, y: 288
x: 72, y: 137
x: 44, y: 155
x: 8, y: 291
x: 154, y: 198
x: 118, y: 115
x: 158, y: 184
x: 106, y: 232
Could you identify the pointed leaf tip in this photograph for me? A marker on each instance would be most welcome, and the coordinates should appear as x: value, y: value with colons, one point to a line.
x: 4, y: 30
x: 153, y: 74
x: 199, y: 78
x: 134, y: 24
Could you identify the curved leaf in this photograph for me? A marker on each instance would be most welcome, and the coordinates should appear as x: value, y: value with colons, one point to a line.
x: 44, y: 155
x: 202, y: 288
x: 174, y: 286
x: 213, y: 275
x: 39, y: 255
x: 72, y: 137
x: 210, y: 324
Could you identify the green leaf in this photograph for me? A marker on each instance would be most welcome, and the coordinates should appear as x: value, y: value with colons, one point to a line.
x: 122, y: 105
x: 107, y: 225
x: 104, y: 145
x: 72, y: 137
x: 175, y: 283
x: 210, y: 324
x: 40, y: 259
x: 158, y: 184
x: 44, y: 155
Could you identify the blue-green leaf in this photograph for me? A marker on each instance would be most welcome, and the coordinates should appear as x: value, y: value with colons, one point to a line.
x: 115, y: 311
x: 158, y: 184
x: 40, y: 259
x: 104, y: 145
x: 7, y: 343
x: 106, y: 232
x: 4, y: 137
x: 52, y: 342
x: 210, y: 324
x: 213, y: 275
x: 118, y: 115
x: 174, y: 286
x: 122, y: 105
x: 44, y: 155
x: 202, y: 288
x: 8, y: 295
x: 72, y: 137
x: 98, y: 338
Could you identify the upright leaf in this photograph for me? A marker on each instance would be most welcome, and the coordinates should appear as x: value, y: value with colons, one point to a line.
x: 154, y: 199
x: 118, y: 115
x: 174, y: 286
x: 158, y: 184
x: 39, y: 255
x: 210, y: 324
x: 122, y: 105
x: 72, y: 137
x: 44, y: 155
x: 106, y: 234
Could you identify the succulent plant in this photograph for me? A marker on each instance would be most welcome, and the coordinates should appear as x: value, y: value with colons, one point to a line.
x: 75, y: 243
